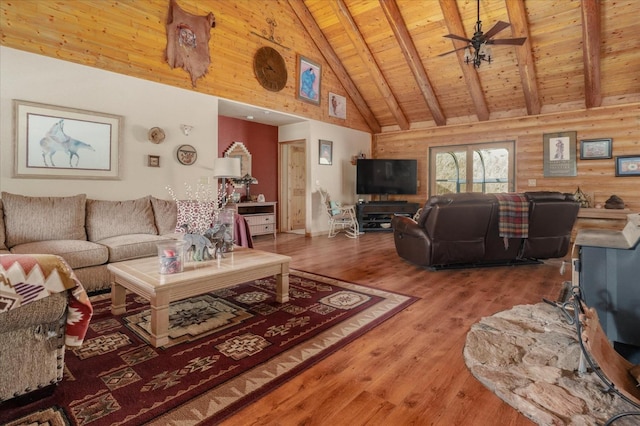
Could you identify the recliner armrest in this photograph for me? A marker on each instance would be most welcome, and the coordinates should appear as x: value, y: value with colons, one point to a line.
x: 407, y: 226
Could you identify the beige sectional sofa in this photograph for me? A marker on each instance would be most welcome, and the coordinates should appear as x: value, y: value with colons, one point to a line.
x: 87, y: 233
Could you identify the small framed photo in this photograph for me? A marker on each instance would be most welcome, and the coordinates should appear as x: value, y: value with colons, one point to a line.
x: 595, y: 149
x: 153, y: 160
x: 309, y: 77
x: 325, y: 152
x: 337, y: 106
x: 628, y: 165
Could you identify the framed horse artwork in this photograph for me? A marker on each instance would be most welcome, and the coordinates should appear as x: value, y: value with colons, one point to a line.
x: 65, y: 143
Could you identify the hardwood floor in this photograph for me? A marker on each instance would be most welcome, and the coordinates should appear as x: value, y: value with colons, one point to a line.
x: 409, y: 370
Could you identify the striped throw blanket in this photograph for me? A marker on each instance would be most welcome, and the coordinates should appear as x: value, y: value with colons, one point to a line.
x: 513, y: 215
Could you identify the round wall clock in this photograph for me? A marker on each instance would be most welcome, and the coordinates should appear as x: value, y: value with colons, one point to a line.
x: 270, y: 69
x: 187, y: 155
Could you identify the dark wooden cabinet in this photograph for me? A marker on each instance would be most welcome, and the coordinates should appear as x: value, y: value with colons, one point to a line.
x: 377, y: 215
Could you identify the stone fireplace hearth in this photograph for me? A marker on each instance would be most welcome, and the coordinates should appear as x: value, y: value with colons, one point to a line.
x: 528, y: 356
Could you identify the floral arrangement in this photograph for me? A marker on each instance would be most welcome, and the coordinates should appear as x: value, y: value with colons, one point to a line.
x: 199, y: 218
x: 199, y: 211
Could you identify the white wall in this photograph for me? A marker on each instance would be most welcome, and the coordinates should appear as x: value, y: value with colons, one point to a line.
x: 339, y: 178
x: 143, y: 104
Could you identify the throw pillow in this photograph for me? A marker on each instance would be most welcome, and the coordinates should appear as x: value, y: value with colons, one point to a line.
x: 28, y: 219
x: 194, y: 216
x: 166, y: 214
x: 112, y: 218
x: 335, y: 209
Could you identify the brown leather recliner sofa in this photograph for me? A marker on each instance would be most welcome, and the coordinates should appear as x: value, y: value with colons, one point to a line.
x: 462, y: 230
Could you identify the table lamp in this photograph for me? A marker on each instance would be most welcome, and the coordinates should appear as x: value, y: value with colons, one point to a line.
x: 226, y: 168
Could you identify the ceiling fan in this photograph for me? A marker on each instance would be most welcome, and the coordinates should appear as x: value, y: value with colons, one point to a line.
x: 480, y: 42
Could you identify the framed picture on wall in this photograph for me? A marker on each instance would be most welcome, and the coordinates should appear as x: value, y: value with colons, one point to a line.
x: 628, y: 165
x: 65, y: 143
x: 309, y: 79
x: 337, y: 106
x: 595, y: 149
x: 559, y: 152
x: 325, y: 152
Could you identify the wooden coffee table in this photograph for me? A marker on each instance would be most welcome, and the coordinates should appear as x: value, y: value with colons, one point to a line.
x: 142, y: 277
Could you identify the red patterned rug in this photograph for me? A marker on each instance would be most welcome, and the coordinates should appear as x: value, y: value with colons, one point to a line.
x: 227, y: 349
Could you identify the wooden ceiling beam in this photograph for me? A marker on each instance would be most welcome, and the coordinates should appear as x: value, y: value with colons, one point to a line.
x: 524, y: 56
x: 591, y: 52
x: 412, y: 56
x: 454, y: 25
x: 314, y: 31
x: 351, y: 28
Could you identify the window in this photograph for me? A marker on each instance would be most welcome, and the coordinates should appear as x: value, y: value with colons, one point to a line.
x: 483, y: 167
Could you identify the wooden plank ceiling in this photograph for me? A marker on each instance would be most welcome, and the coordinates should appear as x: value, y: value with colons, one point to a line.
x: 578, y: 54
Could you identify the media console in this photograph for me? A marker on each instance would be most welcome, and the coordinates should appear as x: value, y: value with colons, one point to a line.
x: 372, y: 216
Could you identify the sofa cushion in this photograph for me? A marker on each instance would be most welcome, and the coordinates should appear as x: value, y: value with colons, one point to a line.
x: 166, y: 215
x: 2, y: 235
x: 112, y: 218
x: 197, y: 216
x: 77, y: 253
x: 29, y: 219
x: 132, y: 246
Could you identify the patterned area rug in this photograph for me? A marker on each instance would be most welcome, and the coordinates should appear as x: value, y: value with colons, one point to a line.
x: 227, y: 349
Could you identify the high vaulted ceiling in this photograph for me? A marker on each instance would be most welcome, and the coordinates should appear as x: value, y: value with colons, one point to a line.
x: 578, y: 54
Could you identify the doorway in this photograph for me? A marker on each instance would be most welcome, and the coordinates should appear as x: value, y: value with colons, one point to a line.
x: 293, y: 185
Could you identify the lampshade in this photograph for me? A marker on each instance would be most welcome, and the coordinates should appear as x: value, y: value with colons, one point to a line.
x: 226, y: 167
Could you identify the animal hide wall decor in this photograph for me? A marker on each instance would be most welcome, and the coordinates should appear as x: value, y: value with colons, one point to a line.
x: 188, y: 41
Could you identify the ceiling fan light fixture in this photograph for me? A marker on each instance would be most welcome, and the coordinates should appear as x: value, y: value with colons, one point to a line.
x: 467, y: 55
x: 480, y: 42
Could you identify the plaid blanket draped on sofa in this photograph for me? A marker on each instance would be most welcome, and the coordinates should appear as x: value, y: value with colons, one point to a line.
x: 513, y: 215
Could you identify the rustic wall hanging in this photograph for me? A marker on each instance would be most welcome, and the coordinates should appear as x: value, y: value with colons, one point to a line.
x: 188, y: 41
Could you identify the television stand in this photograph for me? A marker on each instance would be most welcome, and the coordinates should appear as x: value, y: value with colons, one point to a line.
x: 376, y: 216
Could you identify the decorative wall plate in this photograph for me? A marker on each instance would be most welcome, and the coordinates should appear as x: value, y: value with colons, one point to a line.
x: 156, y: 135
x: 187, y: 155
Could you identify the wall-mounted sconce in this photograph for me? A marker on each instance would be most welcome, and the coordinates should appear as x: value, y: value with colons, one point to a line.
x: 186, y: 129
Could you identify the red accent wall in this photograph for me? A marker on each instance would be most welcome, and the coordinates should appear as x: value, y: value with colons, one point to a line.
x: 262, y: 142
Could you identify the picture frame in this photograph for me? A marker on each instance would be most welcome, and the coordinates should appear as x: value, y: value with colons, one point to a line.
x: 595, y: 149
x: 153, y: 160
x: 325, y: 152
x: 56, y: 142
x: 186, y: 155
x: 559, y: 151
x: 628, y: 165
x: 337, y: 106
x: 309, y: 79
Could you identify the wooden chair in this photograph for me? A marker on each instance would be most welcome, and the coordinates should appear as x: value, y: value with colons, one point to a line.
x: 618, y: 374
x: 341, y: 218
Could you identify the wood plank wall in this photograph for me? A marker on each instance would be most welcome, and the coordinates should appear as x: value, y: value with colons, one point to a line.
x: 129, y: 37
x: 621, y: 123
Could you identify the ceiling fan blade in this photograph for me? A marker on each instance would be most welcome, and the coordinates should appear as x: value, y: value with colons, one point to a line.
x: 499, y: 26
x: 509, y: 41
x: 451, y: 51
x: 457, y: 37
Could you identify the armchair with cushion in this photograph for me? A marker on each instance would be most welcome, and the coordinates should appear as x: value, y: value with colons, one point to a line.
x: 43, y: 308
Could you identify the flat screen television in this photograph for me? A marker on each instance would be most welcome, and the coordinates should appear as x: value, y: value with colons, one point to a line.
x: 383, y: 177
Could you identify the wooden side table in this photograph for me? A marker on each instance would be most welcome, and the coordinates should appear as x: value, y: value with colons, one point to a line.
x: 261, y: 217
